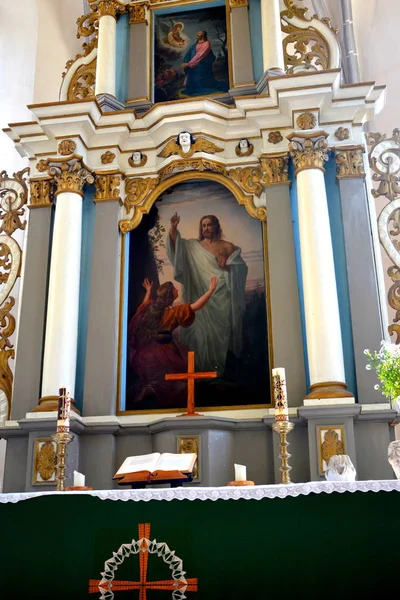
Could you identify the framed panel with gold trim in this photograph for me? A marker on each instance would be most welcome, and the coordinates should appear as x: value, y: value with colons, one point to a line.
x: 44, y: 462
x: 186, y: 444
x: 191, y: 52
x: 196, y: 237
x: 330, y: 441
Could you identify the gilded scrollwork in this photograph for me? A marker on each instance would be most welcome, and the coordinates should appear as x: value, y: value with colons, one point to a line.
x: 349, y: 163
x: 46, y: 460
x: 384, y: 159
x: 237, y: 3
x: 87, y: 25
x: 82, y: 84
x: 13, y: 198
x: 137, y: 189
x: 40, y: 192
x: 200, y: 164
x: 107, y: 186
x: 249, y: 179
x: 137, y: 13
x: 274, y: 168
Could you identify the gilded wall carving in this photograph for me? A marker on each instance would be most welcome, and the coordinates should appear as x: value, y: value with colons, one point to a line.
x: 66, y: 147
x: 349, y: 162
x: 199, y: 145
x: 107, y: 186
x: 82, y: 84
x: 308, y: 151
x: 13, y: 198
x: 41, y: 192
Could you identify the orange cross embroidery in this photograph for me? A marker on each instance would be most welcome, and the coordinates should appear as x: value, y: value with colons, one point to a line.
x: 112, y: 585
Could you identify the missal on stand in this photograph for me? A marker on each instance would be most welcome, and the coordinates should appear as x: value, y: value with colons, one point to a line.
x: 156, y: 468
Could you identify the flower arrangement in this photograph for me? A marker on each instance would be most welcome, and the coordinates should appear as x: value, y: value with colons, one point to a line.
x: 386, y: 363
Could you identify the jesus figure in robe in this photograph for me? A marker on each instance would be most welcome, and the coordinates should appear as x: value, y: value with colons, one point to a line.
x: 218, y: 328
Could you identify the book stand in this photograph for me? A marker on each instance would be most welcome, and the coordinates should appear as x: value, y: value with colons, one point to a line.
x: 141, y: 479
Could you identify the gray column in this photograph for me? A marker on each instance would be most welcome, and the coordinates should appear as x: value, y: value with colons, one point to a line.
x: 285, y: 306
x: 31, y: 323
x: 139, y: 84
x: 99, y: 394
x: 242, y: 66
x: 363, y: 289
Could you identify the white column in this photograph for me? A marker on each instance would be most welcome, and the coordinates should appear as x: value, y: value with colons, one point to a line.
x: 106, y: 56
x: 59, y: 363
x: 321, y: 307
x: 272, y: 36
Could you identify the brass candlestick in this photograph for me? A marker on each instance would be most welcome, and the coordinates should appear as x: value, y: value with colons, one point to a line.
x: 283, y: 428
x: 61, y: 439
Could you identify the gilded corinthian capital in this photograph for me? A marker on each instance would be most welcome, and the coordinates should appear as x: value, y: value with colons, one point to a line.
x: 69, y: 174
x: 308, y: 151
x: 107, y: 7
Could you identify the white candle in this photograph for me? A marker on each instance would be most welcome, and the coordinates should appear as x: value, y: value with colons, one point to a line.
x: 240, y: 473
x: 79, y: 479
x: 280, y: 394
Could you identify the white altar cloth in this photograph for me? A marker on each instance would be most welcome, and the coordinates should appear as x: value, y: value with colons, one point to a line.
x: 256, y: 492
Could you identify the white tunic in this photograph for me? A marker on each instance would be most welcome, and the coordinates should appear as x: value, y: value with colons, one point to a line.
x: 218, y: 325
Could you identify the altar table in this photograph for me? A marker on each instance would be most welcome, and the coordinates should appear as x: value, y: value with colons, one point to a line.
x: 309, y: 540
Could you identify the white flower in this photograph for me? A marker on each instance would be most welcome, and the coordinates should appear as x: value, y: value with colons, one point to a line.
x: 376, y: 387
x: 368, y: 367
x: 366, y: 351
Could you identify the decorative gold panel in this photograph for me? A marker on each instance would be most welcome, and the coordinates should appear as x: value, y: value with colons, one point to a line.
x: 83, y: 82
x: 349, y: 162
x: 44, y: 462
x: 187, y: 444
x: 330, y: 441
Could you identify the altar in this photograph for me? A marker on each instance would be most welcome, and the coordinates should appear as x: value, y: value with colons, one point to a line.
x: 312, y: 539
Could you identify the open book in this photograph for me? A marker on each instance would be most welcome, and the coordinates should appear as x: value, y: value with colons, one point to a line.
x: 155, y: 467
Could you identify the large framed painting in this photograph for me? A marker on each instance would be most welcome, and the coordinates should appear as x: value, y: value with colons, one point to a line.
x: 190, y: 53
x: 195, y: 281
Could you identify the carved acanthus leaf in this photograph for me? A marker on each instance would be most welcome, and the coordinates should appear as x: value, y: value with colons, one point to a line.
x: 70, y: 174
x: 193, y: 164
x: 349, y: 163
x: 249, y: 179
x: 137, y: 189
x: 384, y: 159
x: 87, y: 25
x: 107, y: 187
x: 82, y: 84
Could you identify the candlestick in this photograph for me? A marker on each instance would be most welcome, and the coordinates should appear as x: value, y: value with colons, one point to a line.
x: 240, y: 473
x: 283, y: 428
x: 62, y: 438
x: 280, y: 394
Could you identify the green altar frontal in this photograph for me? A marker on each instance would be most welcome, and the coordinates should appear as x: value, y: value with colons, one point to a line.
x: 302, y: 540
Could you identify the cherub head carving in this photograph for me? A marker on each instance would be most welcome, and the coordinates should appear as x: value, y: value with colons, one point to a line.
x: 137, y: 159
x: 185, y: 140
x: 244, y: 148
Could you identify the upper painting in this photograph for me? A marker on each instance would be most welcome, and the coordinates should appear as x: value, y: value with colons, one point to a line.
x: 190, y: 54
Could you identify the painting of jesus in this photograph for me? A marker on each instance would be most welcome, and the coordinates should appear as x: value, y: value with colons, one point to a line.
x: 190, y: 54
x: 197, y: 283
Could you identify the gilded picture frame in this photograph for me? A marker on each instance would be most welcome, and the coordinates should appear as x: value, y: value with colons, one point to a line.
x: 331, y: 440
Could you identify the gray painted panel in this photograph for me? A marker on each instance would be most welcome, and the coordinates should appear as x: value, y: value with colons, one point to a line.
x: 138, y: 85
x: 285, y: 306
x: 364, y: 299
x: 99, y: 396
x: 31, y: 325
x: 254, y: 449
x: 241, y: 48
x: 97, y: 461
x: 372, y: 440
x: 15, y: 466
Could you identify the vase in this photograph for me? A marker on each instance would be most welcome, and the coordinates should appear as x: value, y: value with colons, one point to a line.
x: 394, y: 457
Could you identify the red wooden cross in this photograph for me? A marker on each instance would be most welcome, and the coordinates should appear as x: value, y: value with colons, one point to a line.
x: 143, y: 585
x: 191, y: 376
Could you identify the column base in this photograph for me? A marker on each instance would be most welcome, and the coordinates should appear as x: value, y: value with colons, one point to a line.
x: 109, y: 103
x: 328, y: 389
x: 249, y: 89
x: 140, y: 105
x: 50, y: 403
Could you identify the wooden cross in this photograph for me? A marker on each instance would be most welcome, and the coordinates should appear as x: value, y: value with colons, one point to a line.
x: 191, y: 376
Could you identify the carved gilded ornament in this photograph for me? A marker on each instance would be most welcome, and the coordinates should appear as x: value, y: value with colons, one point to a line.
x: 384, y: 159
x: 137, y: 13
x: 107, y: 7
x: 69, y: 174
x: 349, y: 163
x: 342, y: 133
x: 306, y: 120
x: 66, y: 147
x: 82, y: 84
x: 193, y: 164
x: 107, y: 187
x: 304, y: 49
x: 273, y: 170
x: 137, y: 159
x: 88, y: 25
x: 308, y: 152
x: 244, y: 148
x: 199, y: 145
x: 13, y: 197
x: 237, y: 3
x: 40, y: 192
x: 46, y: 460
x: 137, y: 189
x: 274, y: 137
x: 107, y: 158
x: 331, y: 446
